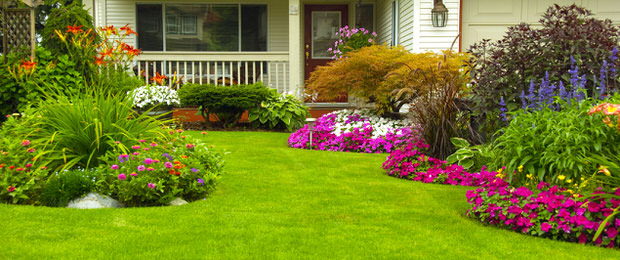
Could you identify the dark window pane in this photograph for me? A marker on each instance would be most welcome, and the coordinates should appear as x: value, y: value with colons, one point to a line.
x: 254, y: 27
x: 202, y: 27
x: 150, y: 36
x: 364, y: 17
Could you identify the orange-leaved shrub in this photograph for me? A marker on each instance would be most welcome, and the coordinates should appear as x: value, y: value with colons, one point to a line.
x: 389, y: 76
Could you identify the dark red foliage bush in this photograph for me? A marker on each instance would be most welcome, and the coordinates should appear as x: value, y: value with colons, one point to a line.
x: 506, y: 67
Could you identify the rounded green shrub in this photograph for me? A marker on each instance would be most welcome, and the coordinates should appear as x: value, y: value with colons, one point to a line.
x: 225, y: 103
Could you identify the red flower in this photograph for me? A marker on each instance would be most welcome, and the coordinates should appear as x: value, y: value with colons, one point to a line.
x: 31, y: 150
x: 74, y: 29
x: 2, y: 165
x: 109, y: 28
x: 159, y: 78
x: 134, y: 52
x: 29, y: 165
x: 171, y: 171
x: 11, y: 167
x: 43, y: 168
x: 105, y: 53
x: 11, y: 189
x: 19, y: 169
x: 27, y: 65
x: 99, y: 60
x: 130, y: 31
x: 125, y: 27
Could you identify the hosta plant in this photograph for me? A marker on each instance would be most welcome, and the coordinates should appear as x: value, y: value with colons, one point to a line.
x: 279, y: 111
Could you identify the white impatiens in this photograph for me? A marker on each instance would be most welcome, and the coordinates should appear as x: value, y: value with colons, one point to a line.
x: 148, y: 96
x: 347, y: 120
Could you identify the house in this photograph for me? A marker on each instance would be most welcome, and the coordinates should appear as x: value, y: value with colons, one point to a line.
x: 280, y: 41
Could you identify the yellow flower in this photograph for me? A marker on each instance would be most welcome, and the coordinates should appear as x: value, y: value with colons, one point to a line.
x: 499, y: 175
x: 575, y: 195
x: 569, y: 181
x: 500, y: 170
x: 582, y: 179
x: 570, y: 191
x: 611, y: 109
x: 520, y: 168
x: 604, y: 170
x: 529, y: 176
x: 561, y: 177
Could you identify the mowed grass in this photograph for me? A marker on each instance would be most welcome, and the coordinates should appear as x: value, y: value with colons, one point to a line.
x: 277, y: 202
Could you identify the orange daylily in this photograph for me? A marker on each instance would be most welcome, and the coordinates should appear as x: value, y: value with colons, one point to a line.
x: 159, y: 78
x: 607, y: 109
x: 74, y: 29
x: 28, y: 65
x: 99, y: 60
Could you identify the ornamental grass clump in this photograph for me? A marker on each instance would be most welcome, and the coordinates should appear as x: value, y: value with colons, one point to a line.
x: 79, y: 130
x: 354, y: 131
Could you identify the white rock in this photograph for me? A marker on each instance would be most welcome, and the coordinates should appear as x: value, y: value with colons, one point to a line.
x: 94, y: 201
x: 178, y: 201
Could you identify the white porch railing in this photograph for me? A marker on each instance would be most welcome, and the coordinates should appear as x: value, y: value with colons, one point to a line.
x: 218, y: 68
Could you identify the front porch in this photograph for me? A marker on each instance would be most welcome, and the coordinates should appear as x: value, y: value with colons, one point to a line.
x: 214, y: 42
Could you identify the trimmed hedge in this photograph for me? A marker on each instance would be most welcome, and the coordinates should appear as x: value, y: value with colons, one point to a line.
x: 227, y: 103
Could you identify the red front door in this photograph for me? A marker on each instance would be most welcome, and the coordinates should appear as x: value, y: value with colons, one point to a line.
x: 321, y: 24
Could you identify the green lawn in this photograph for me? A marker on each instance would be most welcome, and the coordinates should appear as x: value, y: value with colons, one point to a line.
x: 277, y: 202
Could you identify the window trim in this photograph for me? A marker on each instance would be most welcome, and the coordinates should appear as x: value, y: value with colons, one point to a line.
x: 240, y: 30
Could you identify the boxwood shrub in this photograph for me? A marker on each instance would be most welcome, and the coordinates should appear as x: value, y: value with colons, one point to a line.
x: 226, y: 103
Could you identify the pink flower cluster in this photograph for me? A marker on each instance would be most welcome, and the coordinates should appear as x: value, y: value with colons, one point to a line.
x: 408, y: 162
x: 546, y: 212
x: 358, y: 140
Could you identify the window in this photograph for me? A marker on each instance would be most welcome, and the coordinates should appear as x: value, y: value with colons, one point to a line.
x: 394, y: 23
x: 365, y: 17
x: 150, y: 36
x: 202, y: 27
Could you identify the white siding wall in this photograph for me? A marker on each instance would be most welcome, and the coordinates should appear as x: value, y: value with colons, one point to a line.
x: 122, y: 12
x: 384, y: 21
x: 406, y: 21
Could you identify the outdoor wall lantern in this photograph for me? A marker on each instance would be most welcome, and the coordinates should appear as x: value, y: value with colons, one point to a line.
x: 439, y: 14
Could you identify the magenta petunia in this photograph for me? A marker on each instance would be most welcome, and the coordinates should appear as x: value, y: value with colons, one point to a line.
x: 122, y: 176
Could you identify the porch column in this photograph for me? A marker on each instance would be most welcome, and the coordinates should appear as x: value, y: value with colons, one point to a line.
x: 294, y: 47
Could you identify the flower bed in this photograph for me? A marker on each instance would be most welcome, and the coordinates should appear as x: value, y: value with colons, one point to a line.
x: 354, y: 131
x: 551, y: 212
x: 408, y: 162
x: 150, y: 171
x: 547, y: 211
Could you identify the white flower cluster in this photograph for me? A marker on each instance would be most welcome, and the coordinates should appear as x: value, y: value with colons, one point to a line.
x: 381, y: 126
x: 148, y: 96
